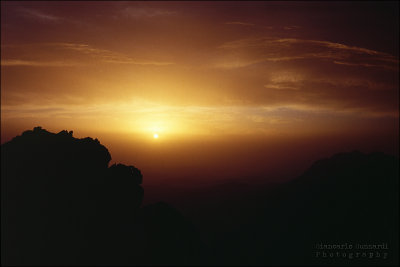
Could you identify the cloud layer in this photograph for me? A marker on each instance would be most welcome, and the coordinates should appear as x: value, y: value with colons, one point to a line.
x: 66, y: 54
x: 256, y: 50
x: 228, y: 67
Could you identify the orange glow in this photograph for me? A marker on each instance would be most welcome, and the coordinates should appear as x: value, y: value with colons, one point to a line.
x: 194, y: 74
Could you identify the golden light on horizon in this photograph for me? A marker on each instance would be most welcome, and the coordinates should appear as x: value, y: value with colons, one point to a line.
x: 255, y: 77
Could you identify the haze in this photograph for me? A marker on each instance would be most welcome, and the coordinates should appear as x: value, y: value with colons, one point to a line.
x: 254, y: 91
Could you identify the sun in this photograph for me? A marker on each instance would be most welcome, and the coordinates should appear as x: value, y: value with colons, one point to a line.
x: 155, y: 136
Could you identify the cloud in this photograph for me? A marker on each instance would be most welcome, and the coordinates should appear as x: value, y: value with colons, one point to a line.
x: 291, y: 27
x: 313, y: 73
x: 388, y: 67
x: 110, y: 56
x: 239, y: 23
x: 361, y: 94
x: 27, y: 63
x: 145, y: 12
x: 141, y: 116
x: 280, y: 87
x: 39, y: 15
x: 54, y: 54
x: 288, y: 42
x: 266, y: 49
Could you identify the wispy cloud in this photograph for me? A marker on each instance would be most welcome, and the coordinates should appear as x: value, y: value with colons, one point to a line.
x: 286, y: 49
x: 269, y: 41
x: 388, y: 67
x: 145, y: 12
x: 53, y: 55
x: 110, y: 56
x: 143, y: 116
x: 31, y: 63
x: 291, y: 27
x: 239, y: 23
x: 39, y: 15
x: 280, y: 87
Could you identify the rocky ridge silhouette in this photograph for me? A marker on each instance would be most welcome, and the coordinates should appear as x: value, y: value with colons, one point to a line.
x: 62, y: 204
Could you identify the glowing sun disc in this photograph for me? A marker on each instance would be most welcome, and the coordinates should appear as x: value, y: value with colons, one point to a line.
x: 155, y: 135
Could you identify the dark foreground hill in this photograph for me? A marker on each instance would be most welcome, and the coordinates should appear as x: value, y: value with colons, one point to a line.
x: 63, y: 205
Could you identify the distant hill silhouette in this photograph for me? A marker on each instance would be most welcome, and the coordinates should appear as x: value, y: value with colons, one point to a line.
x: 62, y: 204
x: 349, y: 197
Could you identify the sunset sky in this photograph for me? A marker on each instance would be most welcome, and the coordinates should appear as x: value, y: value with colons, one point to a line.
x: 233, y: 89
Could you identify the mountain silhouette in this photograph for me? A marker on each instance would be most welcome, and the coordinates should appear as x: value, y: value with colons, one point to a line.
x: 347, y: 198
x: 62, y: 204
